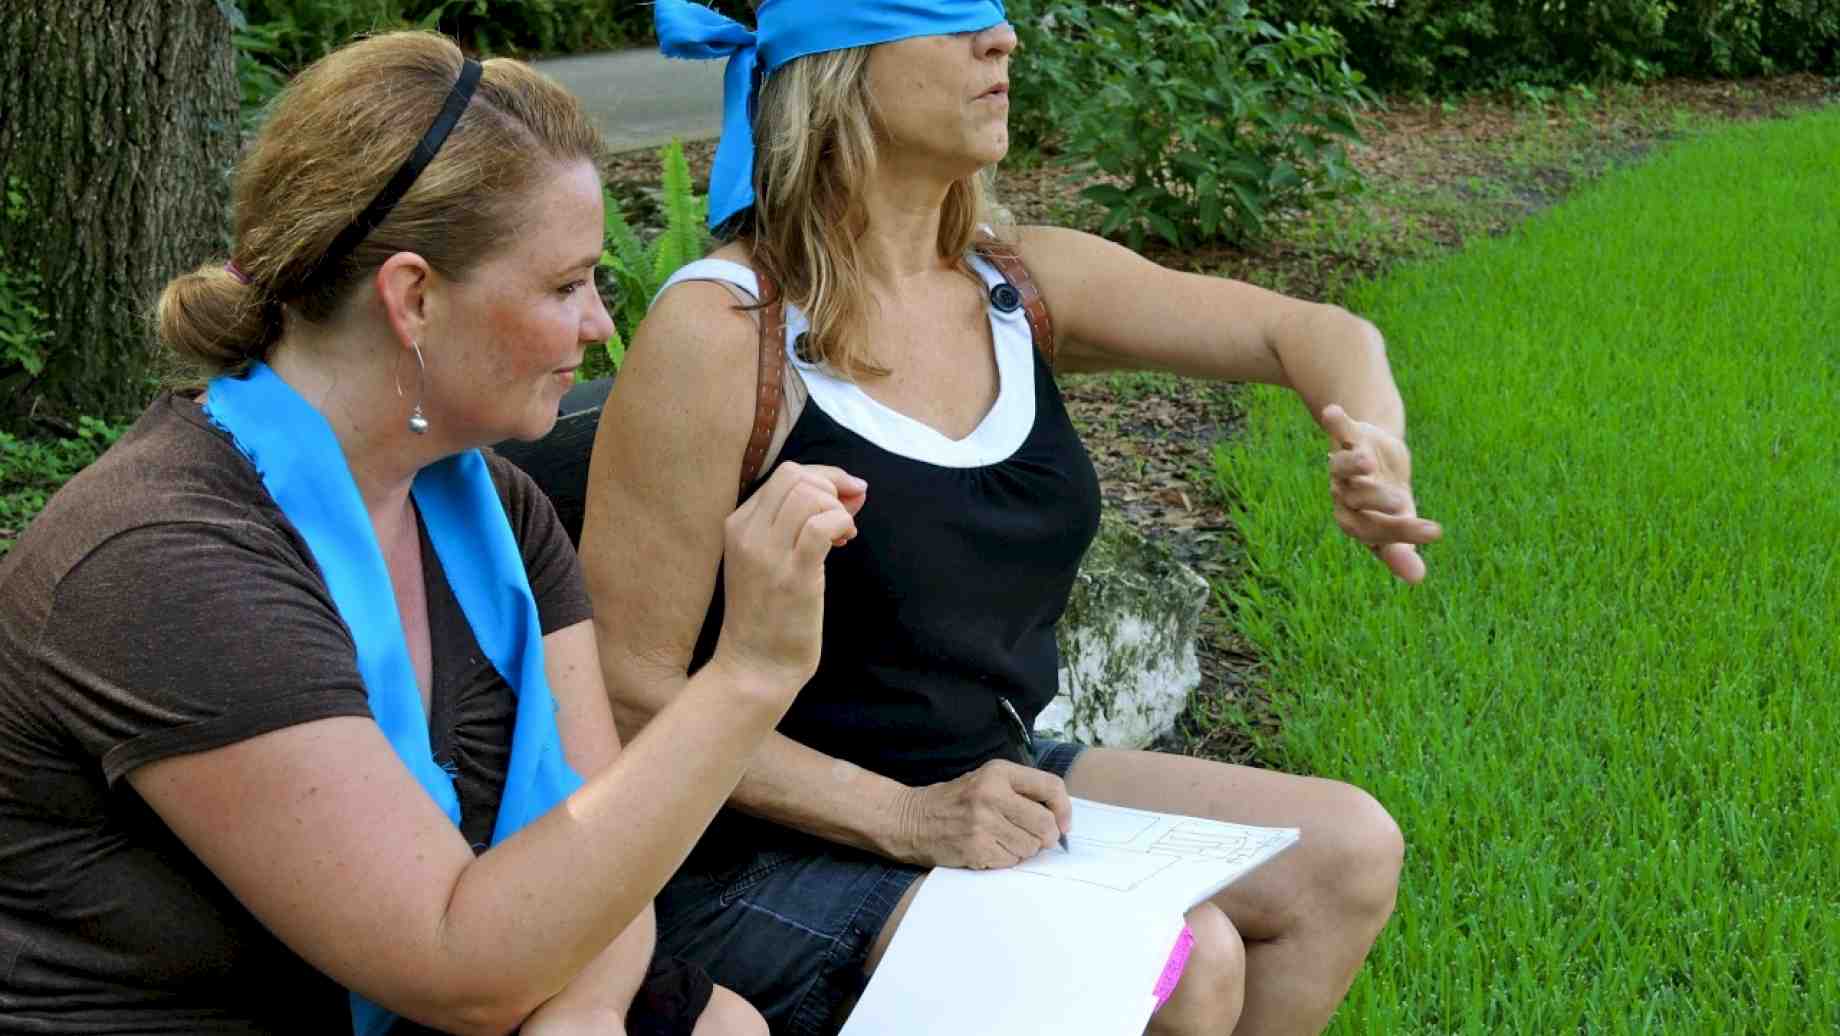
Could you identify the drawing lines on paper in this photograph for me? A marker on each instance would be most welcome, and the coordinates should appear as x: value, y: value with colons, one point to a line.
x: 1213, y: 842
x: 1108, y: 840
x: 1121, y: 850
x: 1120, y: 870
x: 1110, y: 825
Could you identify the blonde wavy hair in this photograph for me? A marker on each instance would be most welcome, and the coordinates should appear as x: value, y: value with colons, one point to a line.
x: 332, y: 139
x: 816, y: 135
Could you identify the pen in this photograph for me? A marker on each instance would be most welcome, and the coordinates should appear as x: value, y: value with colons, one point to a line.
x: 1024, y: 741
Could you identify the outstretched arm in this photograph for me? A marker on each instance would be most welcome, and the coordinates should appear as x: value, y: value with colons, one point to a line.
x: 1114, y: 309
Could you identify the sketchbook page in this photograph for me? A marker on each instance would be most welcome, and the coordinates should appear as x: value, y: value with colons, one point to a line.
x: 974, y: 958
x: 1067, y: 942
x: 1155, y: 861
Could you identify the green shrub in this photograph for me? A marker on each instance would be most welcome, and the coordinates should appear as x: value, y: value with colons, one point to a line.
x: 1800, y: 35
x: 306, y: 29
x: 277, y: 38
x: 635, y: 269
x: 1204, y: 118
x: 309, y: 28
x: 259, y: 57
x: 1440, y: 46
x: 32, y: 468
x: 23, y: 333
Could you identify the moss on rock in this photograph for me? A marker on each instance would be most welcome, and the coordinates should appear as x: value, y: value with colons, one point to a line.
x: 1127, y: 642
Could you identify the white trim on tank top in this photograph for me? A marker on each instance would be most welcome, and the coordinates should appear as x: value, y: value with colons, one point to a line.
x: 996, y: 438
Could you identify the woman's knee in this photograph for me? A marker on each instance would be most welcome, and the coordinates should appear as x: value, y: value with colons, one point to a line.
x: 1363, y: 853
x: 1208, y: 998
x: 729, y: 1015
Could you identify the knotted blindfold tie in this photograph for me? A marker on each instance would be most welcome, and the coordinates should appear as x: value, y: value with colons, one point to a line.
x: 791, y: 29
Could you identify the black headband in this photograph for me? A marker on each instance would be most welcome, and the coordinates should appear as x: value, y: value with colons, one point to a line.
x: 379, y: 209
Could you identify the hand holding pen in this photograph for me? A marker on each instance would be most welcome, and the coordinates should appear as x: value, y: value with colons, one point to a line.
x: 995, y: 816
x: 1023, y: 740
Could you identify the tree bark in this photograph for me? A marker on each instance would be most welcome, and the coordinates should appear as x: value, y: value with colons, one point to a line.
x: 119, y: 122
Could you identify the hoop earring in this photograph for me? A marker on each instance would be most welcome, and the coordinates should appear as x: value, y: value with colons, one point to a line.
x: 418, y: 423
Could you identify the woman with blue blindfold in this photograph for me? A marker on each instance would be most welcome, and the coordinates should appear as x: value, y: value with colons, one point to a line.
x: 867, y: 315
x: 302, y: 728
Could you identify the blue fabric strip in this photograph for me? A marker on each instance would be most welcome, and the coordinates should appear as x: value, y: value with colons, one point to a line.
x: 791, y: 29
x: 303, y: 468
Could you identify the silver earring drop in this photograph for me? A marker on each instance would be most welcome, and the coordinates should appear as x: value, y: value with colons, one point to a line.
x: 417, y: 422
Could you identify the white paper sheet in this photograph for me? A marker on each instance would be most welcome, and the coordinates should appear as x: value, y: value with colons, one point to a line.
x: 1069, y: 943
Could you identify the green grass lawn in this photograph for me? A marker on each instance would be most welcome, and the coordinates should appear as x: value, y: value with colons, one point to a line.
x: 1608, y: 722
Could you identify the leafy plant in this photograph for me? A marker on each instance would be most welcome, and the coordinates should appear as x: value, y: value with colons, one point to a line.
x: 277, y: 38
x: 33, y: 468
x: 637, y: 269
x: 1203, y: 119
x: 258, y: 71
x: 23, y: 333
x: 1446, y: 47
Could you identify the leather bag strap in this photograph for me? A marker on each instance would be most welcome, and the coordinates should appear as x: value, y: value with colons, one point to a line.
x: 1009, y: 263
x: 770, y: 392
x: 770, y: 389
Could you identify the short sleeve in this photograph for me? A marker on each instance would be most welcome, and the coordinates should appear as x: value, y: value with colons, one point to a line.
x: 550, y: 562
x: 182, y: 637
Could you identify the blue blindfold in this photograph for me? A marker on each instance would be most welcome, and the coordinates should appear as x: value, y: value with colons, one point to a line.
x: 791, y: 29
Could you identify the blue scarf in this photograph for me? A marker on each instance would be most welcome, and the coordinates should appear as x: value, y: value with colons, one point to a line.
x: 791, y: 29
x: 303, y: 467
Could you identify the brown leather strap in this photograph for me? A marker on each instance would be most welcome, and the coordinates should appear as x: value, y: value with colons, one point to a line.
x: 770, y: 391
x: 1008, y: 262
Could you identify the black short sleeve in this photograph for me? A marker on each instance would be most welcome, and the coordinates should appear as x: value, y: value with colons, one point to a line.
x: 182, y: 637
x: 556, y: 579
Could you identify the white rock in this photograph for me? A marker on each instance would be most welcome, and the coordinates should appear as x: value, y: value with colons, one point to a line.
x: 1128, y: 661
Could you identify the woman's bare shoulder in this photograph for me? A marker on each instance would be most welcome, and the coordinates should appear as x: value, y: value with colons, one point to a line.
x: 693, y: 359
x: 709, y: 307
x: 706, y: 317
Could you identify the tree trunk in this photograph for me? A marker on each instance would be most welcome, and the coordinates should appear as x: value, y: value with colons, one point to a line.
x: 119, y: 124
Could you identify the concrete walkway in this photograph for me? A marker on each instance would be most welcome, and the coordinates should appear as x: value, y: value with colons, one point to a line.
x: 642, y: 99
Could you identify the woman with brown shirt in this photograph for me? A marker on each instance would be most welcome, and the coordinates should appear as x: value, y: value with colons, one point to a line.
x: 302, y: 726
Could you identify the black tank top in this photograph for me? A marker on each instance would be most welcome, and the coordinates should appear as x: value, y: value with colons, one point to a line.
x: 947, y: 600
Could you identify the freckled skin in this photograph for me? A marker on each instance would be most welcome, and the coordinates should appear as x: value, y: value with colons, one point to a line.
x: 505, y: 334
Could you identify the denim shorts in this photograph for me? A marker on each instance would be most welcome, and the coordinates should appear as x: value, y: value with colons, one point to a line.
x: 787, y: 920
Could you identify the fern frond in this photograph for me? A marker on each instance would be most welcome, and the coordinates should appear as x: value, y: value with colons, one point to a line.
x: 630, y: 297
x: 684, y: 238
x: 626, y: 257
x: 616, y: 348
x: 622, y: 241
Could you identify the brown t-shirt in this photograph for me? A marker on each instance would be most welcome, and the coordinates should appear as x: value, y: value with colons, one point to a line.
x: 161, y: 605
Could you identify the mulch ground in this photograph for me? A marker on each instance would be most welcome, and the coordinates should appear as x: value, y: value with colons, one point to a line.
x: 1438, y: 174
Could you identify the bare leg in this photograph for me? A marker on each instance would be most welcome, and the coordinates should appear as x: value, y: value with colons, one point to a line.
x: 1208, y: 999
x: 894, y: 921
x: 1309, y: 916
x: 729, y: 1015
x: 880, y: 948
